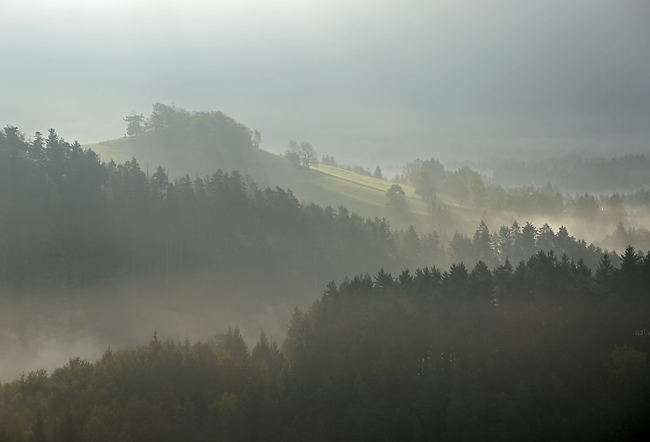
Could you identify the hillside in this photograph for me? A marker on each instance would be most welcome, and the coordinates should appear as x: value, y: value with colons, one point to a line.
x: 321, y: 184
x: 196, y: 144
x: 426, y: 356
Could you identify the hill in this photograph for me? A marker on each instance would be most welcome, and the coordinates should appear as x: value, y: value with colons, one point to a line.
x: 420, y: 357
x: 321, y: 184
x: 197, y: 144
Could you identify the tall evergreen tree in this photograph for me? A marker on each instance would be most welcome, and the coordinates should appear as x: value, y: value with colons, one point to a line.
x: 629, y: 274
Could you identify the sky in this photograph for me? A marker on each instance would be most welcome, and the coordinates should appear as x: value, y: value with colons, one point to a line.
x: 367, y: 81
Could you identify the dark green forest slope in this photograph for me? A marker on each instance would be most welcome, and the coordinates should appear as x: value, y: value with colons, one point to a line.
x: 529, y: 335
x: 543, y: 352
x: 69, y: 221
x: 95, y: 254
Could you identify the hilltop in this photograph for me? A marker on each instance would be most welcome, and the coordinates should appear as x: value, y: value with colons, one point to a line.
x: 198, y: 143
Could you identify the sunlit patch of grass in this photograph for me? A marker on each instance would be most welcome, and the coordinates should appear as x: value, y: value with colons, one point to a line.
x: 373, y: 190
x: 119, y: 150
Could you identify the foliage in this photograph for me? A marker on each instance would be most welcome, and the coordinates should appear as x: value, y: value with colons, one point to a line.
x: 293, y: 153
x: 455, y: 185
x: 303, y: 154
x: 308, y: 155
x: 69, y: 221
x: 527, y: 200
x: 359, y: 170
x: 136, y: 124
x: 188, y: 141
x: 423, y: 183
x: 572, y: 173
x: 477, y: 192
x: 484, y: 350
x: 396, y: 200
x: 434, y: 168
x: 329, y: 161
x: 502, y: 354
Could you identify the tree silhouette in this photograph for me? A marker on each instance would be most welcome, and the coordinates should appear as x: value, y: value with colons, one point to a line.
x: 136, y: 124
x: 396, y: 200
x: 308, y: 155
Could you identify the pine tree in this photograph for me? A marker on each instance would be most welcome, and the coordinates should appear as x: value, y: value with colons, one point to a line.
x: 383, y: 280
x: 233, y: 342
x: 482, y: 243
x: 481, y: 282
x: 604, y: 270
x: 629, y: 274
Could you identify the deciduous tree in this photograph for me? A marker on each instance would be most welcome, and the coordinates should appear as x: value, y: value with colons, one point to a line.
x: 136, y: 124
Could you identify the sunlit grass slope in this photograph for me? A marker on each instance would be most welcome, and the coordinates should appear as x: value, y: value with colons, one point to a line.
x: 371, y: 190
x: 119, y: 150
x: 321, y: 184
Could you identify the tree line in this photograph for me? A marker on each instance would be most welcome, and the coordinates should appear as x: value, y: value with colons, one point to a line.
x: 529, y: 335
x: 68, y: 221
x: 545, y: 351
x: 620, y: 173
x: 470, y: 188
x: 169, y: 125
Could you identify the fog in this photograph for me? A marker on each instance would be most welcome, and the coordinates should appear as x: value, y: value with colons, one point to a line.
x: 45, y: 331
x: 368, y: 82
x: 426, y: 307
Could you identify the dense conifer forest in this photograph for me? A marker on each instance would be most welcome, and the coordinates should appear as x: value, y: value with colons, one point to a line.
x: 546, y: 351
x: 70, y: 221
x: 518, y: 334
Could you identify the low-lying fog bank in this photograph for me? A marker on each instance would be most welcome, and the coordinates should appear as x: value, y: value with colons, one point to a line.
x: 41, y: 332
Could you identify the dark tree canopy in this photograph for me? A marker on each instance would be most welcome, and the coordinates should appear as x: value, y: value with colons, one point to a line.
x: 396, y: 200
x: 136, y: 124
x: 505, y: 335
x: 484, y: 354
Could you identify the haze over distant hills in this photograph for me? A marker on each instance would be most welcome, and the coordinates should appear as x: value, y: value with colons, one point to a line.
x: 496, y: 288
x: 198, y: 143
x: 369, y: 83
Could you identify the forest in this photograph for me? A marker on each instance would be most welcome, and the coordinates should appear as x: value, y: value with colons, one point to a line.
x: 70, y: 221
x: 545, y: 351
x: 324, y: 221
x: 572, y: 172
x: 522, y: 333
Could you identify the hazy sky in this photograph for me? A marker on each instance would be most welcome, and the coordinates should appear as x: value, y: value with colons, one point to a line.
x: 365, y: 81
